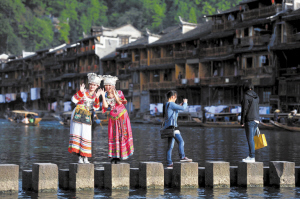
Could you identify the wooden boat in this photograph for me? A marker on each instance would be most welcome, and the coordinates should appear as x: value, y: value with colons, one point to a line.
x: 286, y: 127
x: 23, y: 114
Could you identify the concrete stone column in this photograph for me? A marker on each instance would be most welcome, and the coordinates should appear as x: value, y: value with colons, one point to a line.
x: 63, y: 178
x: 233, y: 175
x: 134, y: 177
x: 99, y: 177
x: 44, y: 177
x: 81, y: 176
x: 151, y: 175
x: 201, y: 176
x: 168, y: 176
x: 185, y: 175
x: 251, y: 174
x: 27, y: 180
x: 297, y: 176
x: 266, y: 176
x: 117, y: 176
x: 282, y: 174
x: 217, y: 174
x: 9, y: 178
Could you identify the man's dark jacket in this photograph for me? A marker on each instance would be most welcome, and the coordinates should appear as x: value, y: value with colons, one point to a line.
x: 250, y: 109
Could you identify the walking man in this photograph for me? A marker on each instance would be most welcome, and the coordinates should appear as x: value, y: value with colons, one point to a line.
x: 250, y: 118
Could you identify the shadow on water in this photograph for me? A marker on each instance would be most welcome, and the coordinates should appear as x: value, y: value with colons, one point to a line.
x: 25, y: 145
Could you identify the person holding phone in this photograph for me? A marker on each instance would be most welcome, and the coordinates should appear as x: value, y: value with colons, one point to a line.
x: 120, y: 141
x: 170, y: 112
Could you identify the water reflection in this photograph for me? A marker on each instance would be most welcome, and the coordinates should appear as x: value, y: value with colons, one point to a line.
x: 48, y: 143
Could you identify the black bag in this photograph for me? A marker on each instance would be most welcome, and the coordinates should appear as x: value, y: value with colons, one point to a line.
x: 169, y: 132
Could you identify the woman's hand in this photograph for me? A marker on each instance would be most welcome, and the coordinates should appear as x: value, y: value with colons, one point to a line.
x: 82, y: 88
x: 102, y: 92
x: 185, y: 100
x: 98, y: 93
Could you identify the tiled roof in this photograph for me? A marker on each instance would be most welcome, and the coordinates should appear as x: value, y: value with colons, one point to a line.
x: 110, y: 56
x: 234, y: 9
x: 139, y: 43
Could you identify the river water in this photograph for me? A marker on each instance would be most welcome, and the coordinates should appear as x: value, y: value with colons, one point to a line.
x: 48, y: 143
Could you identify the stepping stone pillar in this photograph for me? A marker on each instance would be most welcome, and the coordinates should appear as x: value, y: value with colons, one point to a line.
x: 81, y: 176
x: 63, y: 178
x: 9, y: 178
x: 117, y: 176
x: 168, y: 176
x: 201, y: 176
x: 233, y: 175
x: 282, y: 174
x: 217, y: 174
x: 44, y: 177
x: 266, y: 176
x: 134, y: 177
x: 99, y: 177
x: 27, y: 180
x: 185, y: 175
x: 151, y: 175
x: 250, y: 174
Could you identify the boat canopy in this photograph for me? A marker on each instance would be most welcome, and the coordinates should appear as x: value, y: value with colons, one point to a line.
x: 24, y: 112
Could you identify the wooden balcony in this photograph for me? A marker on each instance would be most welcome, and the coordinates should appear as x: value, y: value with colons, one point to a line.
x: 223, y: 26
x: 258, y: 71
x: 159, y: 85
x: 135, y: 64
x: 136, y: 87
x: 262, y: 12
x: 255, y: 40
x: 216, y: 51
x: 293, y: 38
x: 144, y: 62
x: 159, y: 61
x: 186, y: 54
x: 219, y: 80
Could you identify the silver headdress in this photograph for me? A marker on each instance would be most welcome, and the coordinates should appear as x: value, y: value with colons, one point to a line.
x: 110, y: 80
x: 94, y: 78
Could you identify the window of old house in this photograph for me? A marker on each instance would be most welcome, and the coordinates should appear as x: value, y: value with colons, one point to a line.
x: 123, y: 40
x: 249, y: 62
x: 266, y: 96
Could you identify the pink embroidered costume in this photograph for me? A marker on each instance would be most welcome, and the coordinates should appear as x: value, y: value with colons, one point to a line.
x: 80, y: 128
x: 120, y: 141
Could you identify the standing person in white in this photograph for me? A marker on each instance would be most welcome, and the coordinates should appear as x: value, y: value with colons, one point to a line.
x: 80, y: 141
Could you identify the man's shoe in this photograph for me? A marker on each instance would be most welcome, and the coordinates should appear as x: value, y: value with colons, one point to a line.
x: 80, y: 161
x: 185, y: 159
x: 248, y: 159
x: 170, y: 166
x: 85, y: 160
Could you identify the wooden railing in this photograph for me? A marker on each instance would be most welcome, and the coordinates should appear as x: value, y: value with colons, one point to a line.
x: 186, y: 54
x: 262, y: 12
x: 219, y: 80
x: 222, y: 26
x: 255, y: 40
x: 258, y: 70
x: 216, y: 51
x: 158, y: 61
x: 293, y: 38
x: 135, y: 64
x: 159, y: 85
x: 144, y: 62
x: 136, y: 87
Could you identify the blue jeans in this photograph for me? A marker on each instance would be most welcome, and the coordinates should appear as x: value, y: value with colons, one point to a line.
x: 180, y: 143
x: 250, y: 128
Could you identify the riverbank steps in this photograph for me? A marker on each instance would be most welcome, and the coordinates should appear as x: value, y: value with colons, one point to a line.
x: 45, y: 177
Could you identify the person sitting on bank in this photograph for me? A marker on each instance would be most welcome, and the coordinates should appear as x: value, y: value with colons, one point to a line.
x: 250, y: 118
x: 170, y: 112
x: 291, y: 118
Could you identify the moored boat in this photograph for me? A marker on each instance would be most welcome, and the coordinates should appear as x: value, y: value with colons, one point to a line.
x: 24, y: 117
x: 285, y: 126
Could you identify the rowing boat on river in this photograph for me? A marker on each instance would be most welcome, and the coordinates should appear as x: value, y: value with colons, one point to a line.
x: 285, y: 126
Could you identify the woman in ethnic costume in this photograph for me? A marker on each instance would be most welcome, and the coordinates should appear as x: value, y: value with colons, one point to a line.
x: 120, y: 141
x: 80, y: 129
